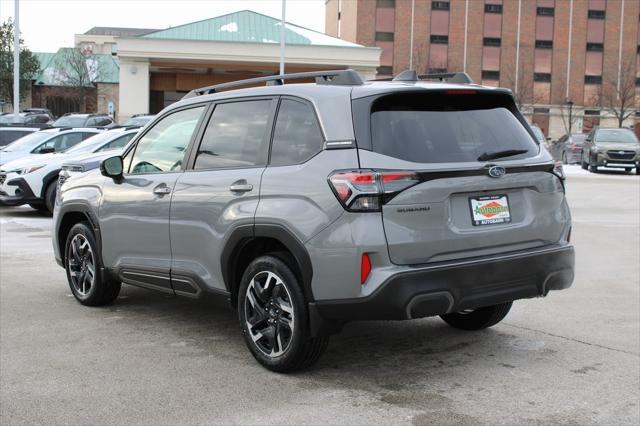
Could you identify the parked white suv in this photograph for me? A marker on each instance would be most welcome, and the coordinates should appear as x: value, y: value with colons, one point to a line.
x: 33, y: 179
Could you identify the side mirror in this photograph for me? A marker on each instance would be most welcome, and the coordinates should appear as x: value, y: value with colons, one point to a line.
x: 112, y: 167
x: 47, y: 150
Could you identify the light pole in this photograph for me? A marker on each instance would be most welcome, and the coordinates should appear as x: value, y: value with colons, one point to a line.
x: 570, y: 103
x: 16, y: 62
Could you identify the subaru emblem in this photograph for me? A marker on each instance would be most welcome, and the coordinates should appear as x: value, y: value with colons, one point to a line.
x: 497, y: 171
x: 621, y: 152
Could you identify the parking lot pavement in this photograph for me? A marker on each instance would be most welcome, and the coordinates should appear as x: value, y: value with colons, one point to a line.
x: 571, y: 358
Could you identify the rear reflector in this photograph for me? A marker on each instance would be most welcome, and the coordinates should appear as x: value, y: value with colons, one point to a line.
x: 365, y: 268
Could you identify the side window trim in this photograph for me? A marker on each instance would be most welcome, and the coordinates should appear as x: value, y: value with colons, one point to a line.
x: 134, y: 145
x: 193, y: 153
x: 275, y: 119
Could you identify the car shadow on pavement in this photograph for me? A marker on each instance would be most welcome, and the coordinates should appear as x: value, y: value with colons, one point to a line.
x: 366, y: 350
x: 22, y: 212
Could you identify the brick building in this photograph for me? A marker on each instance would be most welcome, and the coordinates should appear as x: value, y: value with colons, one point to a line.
x: 561, y: 58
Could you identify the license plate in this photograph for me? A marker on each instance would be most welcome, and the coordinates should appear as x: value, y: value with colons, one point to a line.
x: 489, y: 210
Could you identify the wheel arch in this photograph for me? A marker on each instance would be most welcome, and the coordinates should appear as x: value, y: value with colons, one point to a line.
x: 250, y: 241
x: 47, y: 179
x: 69, y: 215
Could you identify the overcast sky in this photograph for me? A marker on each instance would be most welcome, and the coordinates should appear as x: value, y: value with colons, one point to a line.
x: 47, y: 25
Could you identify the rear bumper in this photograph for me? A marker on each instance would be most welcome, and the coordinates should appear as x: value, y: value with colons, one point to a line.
x: 453, y: 287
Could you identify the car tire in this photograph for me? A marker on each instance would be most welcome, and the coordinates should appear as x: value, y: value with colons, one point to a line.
x: 564, y: 158
x: 637, y: 170
x: 50, y: 196
x: 273, y: 317
x: 628, y: 169
x: 593, y: 168
x: 583, y: 163
x: 478, y: 319
x: 83, y: 264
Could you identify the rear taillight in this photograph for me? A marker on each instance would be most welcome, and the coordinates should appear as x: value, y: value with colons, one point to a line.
x: 368, y: 190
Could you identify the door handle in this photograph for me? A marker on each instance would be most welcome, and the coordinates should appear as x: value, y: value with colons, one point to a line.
x: 241, y: 186
x: 161, y: 190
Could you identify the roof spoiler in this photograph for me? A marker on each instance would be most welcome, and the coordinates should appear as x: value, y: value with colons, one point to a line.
x: 347, y: 77
x: 411, y: 76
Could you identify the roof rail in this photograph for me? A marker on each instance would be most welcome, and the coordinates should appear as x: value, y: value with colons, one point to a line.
x: 335, y: 78
x: 449, y: 77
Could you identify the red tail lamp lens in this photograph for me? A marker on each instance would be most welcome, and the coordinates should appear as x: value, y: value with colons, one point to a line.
x: 365, y: 268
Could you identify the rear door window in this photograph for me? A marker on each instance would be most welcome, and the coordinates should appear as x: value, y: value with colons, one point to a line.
x: 297, y: 136
x: 441, y: 128
x: 236, y: 136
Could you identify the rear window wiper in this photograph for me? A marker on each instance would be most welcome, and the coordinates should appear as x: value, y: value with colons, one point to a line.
x: 500, y: 154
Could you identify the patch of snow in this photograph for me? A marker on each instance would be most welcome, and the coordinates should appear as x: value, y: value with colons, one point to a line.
x: 571, y: 170
x: 231, y: 27
x: 266, y: 40
x: 317, y: 38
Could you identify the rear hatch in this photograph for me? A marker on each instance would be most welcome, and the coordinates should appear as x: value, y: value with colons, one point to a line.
x: 478, y: 182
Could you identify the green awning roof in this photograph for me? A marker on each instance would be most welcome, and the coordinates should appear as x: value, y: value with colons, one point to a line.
x: 248, y: 27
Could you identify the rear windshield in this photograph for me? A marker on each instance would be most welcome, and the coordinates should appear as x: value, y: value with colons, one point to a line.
x: 578, y: 139
x: 70, y: 121
x: 442, y: 128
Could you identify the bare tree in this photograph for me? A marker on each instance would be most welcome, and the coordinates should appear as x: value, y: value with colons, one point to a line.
x: 524, y: 94
x: 78, y: 70
x: 618, y: 97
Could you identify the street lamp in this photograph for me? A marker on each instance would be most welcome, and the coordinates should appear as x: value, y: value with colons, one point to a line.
x: 570, y: 103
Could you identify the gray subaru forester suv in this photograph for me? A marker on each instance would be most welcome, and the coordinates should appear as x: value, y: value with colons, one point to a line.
x: 309, y: 205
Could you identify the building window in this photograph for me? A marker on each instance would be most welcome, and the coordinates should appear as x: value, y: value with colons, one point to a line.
x: 386, y: 70
x: 439, y: 39
x: 637, y: 81
x: 386, y: 3
x: 544, y: 44
x: 541, y: 110
x: 437, y: 71
x: 491, y: 75
x: 592, y: 79
x: 492, y: 8
x: 597, y: 14
x: 592, y: 112
x: 595, y: 47
x: 491, y: 41
x: 380, y: 36
x: 545, y: 11
x: 439, y: 5
x: 542, y: 77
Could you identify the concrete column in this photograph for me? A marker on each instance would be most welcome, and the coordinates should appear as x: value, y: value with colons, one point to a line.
x: 134, y: 89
